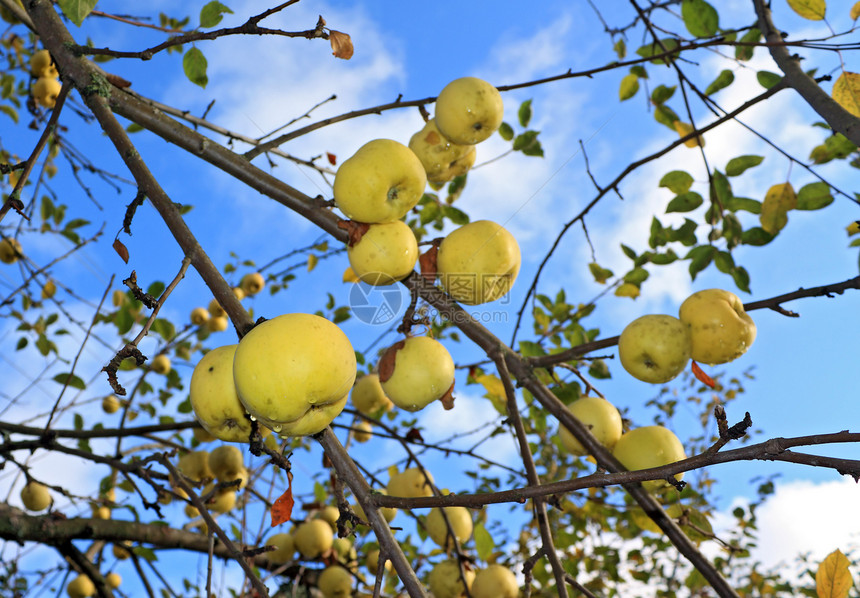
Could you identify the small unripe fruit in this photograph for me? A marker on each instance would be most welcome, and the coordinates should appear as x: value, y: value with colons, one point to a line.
x: 35, y: 497
x: 10, y: 250
x: 215, y: 309
x: 217, y: 323
x: 199, y: 316
x: 81, y: 587
x: 46, y: 90
x: 252, y: 283
x: 161, y: 364
x: 42, y: 65
x: 110, y: 404
x: 113, y: 580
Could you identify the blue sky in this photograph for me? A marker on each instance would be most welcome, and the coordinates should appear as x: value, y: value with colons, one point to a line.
x: 803, y: 367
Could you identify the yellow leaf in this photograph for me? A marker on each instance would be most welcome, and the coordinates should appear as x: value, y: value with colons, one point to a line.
x: 685, y: 129
x: 809, y: 9
x: 495, y: 391
x: 349, y: 276
x: 853, y: 228
x: 627, y: 289
x: 846, y: 91
x: 774, y: 209
x: 629, y: 87
x: 312, y: 261
x: 833, y: 579
x: 855, y: 11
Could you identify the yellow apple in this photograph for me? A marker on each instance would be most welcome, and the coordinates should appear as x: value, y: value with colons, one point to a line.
x: 655, y: 348
x: 161, y: 364
x: 35, y: 496
x: 416, y: 372
x: 252, y: 283
x: 195, y: 466
x: 388, y: 513
x: 81, y: 587
x: 213, y: 397
x: 461, y: 524
x: 118, y: 298
x: 113, y: 580
x: 284, y: 548
x: 49, y: 290
x: 720, y: 329
x: 381, y: 182
x: 495, y: 581
x: 46, y: 90
x: 225, y: 461
x: 217, y: 323
x: 294, y: 372
x: 469, y: 110
x: 122, y: 550
x: 345, y: 552
x: 101, y: 512
x: 42, y: 65
x: 478, y: 262
x: 312, y: 538
x: 372, y: 561
x: 649, y: 446
x: 222, y: 501
x: 600, y: 417
x: 368, y: 396
x: 362, y: 431
x: 445, y: 580
x: 199, y: 316
x: 411, y: 483
x: 10, y: 250
x: 202, y: 435
x: 335, y: 582
x: 385, y: 253
x: 231, y: 476
x: 239, y: 293
x: 442, y: 160
x: 330, y: 514
x: 215, y: 309
x: 110, y: 404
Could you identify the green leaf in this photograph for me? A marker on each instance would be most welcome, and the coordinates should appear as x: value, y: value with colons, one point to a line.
x: 744, y: 52
x: 636, y: 276
x: 528, y: 144
x: 620, y: 48
x: 699, y: 258
x: 700, y: 18
x: 600, y: 274
x: 767, y: 79
x: 723, y: 80
x: 639, y: 71
x: 156, y: 289
x: 662, y: 93
x: 744, y: 203
x: 123, y: 321
x: 721, y: 190
x: 164, y: 328
x: 320, y: 495
x: 629, y: 87
x: 194, y: 65
x: 628, y: 252
x: 70, y: 379
x: 525, y: 113
x: 756, y: 237
x: 737, y: 166
x: 665, y: 45
x: 741, y: 278
x: 666, y: 116
x: 455, y: 215
x: 506, y: 132
x: 10, y: 111
x: 677, y: 181
x: 814, y: 196
x: 686, y: 202
x: 724, y: 261
x: 778, y: 200
x: 484, y: 543
x: 77, y: 10
x: 212, y: 13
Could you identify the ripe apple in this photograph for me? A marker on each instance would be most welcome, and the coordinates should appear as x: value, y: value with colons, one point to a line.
x: 199, y: 316
x: 46, y: 90
x: 213, y: 397
x: 122, y: 550
x: 416, y: 372
x: 445, y: 581
x: 330, y: 514
x: 110, y: 404
x: 461, y: 524
x: 239, y: 293
x: 294, y: 372
x: 217, y: 323
x: 600, y: 417
x: 113, y: 580
x: 372, y: 561
x: 42, y: 65
x: 202, y: 435
x: 381, y: 182
x: 495, y: 581
x: 362, y: 431
x: 655, y: 348
x: 411, y: 483
x: 469, y: 110
x: 720, y: 329
x: 478, y: 262
x: 649, y: 446
x: 252, y: 283
x: 222, y: 501
x: 335, y: 582
x: 388, y: 513
x: 10, y: 250
x: 442, y: 160
x: 284, y: 550
x: 35, y: 496
x: 215, y: 309
x: 385, y: 253
x: 312, y: 538
x: 81, y: 587
x: 101, y: 512
x: 161, y: 364
x: 195, y: 466
x: 368, y: 396
x: 225, y: 461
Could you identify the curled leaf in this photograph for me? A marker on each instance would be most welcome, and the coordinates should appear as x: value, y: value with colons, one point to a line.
x: 341, y: 44
x: 427, y: 263
x: 349, y: 275
x: 355, y: 230
x: 385, y: 368
x: 448, y: 398
x: 702, y: 377
x: 121, y: 249
x: 282, y: 509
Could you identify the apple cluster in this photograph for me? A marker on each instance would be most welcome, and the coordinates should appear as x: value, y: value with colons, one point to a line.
x: 712, y: 327
x: 47, y: 86
x: 213, y: 317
